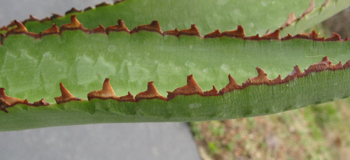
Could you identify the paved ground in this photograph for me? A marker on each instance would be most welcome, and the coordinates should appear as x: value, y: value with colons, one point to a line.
x: 153, y: 141
x: 102, y: 141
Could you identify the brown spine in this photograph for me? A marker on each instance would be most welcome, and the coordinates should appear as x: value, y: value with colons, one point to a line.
x: 193, y: 31
x: 191, y: 88
x: 150, y: 93
x: 153, y: 27
x: 107, y: 92
x: 238, y: 33
x: 127, y: 98
x: 7, y: 101
x: 215, y: 34
x: 102, y: 4
x: 66, y: 96
x: 74, y: 25
x: 99, y: 29
x: 42, y: 102
x: 271, y: 36
x: 55, y: 16
x: 30, y: 19
x: 73, y: 10
x: 232, y: 85
x: 53, y: 30
x: 260, y: 79
x: 120, y: 27
x: 212, y: 92
x: 21, y: 29
x: 172, y: 32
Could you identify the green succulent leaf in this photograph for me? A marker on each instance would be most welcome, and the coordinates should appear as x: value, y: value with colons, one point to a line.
x: 33, y: 68
x: 34, y: 64
x: 255, y: 16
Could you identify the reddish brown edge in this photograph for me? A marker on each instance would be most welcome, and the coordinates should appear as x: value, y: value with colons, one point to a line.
x: 191, y: 88
x: 154, y: 27
x: 66, y: 96
x: 291, y: 17
x: 71, y: 11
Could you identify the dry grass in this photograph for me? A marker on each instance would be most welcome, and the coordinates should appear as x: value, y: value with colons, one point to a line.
x: 316, y: 132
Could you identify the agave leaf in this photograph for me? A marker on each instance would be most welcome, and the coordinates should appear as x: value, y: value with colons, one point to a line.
x: 255, y: 17
x: 33, y: 66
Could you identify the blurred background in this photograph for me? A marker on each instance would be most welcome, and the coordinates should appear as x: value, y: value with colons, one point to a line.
x: 315, y: 132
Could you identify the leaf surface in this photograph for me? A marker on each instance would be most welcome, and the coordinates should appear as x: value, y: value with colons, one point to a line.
x: 255, y: 16
x: 32, y: 69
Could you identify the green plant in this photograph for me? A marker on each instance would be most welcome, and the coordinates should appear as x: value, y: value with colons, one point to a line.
x: 33, y: 63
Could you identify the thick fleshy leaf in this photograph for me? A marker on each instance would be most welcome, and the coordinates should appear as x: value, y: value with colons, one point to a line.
x: 34, y: 64
x: 255, y: 17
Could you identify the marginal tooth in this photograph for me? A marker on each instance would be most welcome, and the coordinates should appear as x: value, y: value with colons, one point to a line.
x: 117, y: 1
x: 325, y: 3
x: 42, y: 102
x: 277, y: 80
x: 6, y: 101
x: 19, y: 29
x: 45, y: 19
x: 10, y: 101
x: 88, y: 8
x: 99, y: 29
x: 291, y: 18
x: 320, y: 66
x: 238, y: 33
x: 11, y: 24
x: 255, y: 38
x: 55, y: 16
x: 336, y: 67
x: 274, y: 35
x: 31, y: 18
x: 128, y: 97
x: 172, y: 32
x: 296, y: 73
x: 193, y: 31
x: 288, y: 37
x: 214, y: 34
x: 66, y: 96
x: 153, y: 27
x: 191, y: 88
x: 73, y: 10
x: 150, y: 93
x: 232, y: 85
x: 120, y: 27
x: 74, y: 25
x: 3, y: 28
x: 335, y: 37
x: 53, y: 30
x: 107, y: 92
x: 102, y: 4
x: 260, y: 79
x: 313, y: 35
x: 347, y: 64
x: 212, y: 92
x: 311, y: 7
